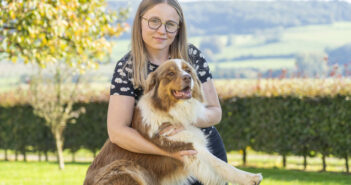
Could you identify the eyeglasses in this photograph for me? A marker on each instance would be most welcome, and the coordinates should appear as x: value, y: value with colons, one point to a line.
x: 155, y: 23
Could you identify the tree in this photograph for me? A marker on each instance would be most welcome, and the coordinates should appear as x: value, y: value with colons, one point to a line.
x: 66, y: 34
x: 73, y: 32
x: 52, y: 98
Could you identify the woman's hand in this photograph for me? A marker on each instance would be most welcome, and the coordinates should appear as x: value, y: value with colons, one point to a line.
x: 167, y: 129
x: 181, y: 154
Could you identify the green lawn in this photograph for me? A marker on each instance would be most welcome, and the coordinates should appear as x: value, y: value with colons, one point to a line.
x: 47, y: 173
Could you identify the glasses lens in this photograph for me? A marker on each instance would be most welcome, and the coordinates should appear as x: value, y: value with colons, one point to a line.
x: 154, y: 23
x: 171, y: 26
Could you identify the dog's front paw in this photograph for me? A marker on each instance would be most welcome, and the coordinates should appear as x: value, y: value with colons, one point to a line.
x: 253, y: 179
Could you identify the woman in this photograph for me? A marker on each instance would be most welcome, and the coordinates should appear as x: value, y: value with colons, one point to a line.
x: 158, y: 34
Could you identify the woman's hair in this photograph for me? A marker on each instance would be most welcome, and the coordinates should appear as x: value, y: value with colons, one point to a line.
x: 178, y: 49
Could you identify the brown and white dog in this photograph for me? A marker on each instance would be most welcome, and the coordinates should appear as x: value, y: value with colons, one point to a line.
x: 173, y: 96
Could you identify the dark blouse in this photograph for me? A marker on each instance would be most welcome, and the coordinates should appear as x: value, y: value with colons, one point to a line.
x: 122, y: 81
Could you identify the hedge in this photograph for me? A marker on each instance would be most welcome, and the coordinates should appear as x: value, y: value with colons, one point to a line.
x: 284, y: 123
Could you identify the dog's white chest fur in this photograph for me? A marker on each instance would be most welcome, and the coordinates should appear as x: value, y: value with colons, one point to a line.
x: 185, y: 112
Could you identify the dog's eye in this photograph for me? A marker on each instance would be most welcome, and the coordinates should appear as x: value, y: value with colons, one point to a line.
x: 170, y: 73
x: 188, y: 71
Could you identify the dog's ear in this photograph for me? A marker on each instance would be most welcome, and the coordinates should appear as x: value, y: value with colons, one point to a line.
x: 151, y: 82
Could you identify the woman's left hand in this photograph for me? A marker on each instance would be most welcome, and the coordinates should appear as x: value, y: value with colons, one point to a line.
x: 167, y: 129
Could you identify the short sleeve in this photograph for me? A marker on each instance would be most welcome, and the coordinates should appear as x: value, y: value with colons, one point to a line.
x: 200, y: 64
x: 121, y: 83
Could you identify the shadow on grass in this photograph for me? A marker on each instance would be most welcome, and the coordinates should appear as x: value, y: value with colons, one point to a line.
x: 279, y: 174
x: 48, y: 162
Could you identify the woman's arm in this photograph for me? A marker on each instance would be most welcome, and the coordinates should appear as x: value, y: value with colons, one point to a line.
x: 119, y: 117
x: 213, y: 114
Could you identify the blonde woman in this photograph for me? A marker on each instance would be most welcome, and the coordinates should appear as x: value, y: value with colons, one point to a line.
x: 159, y: 33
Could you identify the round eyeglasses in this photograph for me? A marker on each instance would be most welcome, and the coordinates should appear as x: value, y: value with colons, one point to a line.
x: 155, y: 23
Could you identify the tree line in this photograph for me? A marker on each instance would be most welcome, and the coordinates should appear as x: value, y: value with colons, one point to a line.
x: 287, y: 125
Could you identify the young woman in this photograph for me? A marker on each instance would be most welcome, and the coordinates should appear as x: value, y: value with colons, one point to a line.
x: 159, y: 33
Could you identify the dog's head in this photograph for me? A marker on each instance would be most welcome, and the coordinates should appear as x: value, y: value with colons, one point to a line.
x: 173, y: 81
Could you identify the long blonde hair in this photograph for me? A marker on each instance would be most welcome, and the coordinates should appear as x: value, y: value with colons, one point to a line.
x: 178, y: 49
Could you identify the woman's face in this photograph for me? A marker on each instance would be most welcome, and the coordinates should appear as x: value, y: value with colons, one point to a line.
x: 159, y: 39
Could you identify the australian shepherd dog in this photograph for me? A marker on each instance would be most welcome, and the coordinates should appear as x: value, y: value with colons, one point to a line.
x: 172, y: 95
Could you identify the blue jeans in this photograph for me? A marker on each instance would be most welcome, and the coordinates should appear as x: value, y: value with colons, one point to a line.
x: 215, y: 144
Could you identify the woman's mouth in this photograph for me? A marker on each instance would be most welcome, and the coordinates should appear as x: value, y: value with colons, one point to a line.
x: 159, y: 39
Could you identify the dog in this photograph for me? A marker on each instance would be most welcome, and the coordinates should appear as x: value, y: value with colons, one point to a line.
x: 173, y: 95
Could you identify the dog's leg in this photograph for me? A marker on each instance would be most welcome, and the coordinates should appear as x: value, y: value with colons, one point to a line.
x: 221, y: 171
x: 122, y: 172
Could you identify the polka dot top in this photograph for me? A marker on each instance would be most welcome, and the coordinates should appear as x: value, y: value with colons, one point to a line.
x: 122, y: 80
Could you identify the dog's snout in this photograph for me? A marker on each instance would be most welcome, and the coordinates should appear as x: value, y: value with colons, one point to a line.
x: 187, y: 78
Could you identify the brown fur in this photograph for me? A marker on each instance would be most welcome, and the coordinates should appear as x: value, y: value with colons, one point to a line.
x: 111, y: 164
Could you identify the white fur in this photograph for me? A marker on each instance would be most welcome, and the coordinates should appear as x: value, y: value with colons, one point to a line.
x: 179, y: 65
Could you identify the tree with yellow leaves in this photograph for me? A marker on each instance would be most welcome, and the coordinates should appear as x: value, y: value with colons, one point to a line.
x: 68, y: 33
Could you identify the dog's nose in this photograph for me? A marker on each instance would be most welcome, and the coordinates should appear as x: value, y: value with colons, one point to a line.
x: 186, y: 78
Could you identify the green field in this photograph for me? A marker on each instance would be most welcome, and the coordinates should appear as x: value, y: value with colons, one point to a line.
x: 304, y: 39
x: 47, y: 173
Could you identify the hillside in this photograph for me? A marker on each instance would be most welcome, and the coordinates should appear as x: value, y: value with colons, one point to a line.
x: 242, y: 17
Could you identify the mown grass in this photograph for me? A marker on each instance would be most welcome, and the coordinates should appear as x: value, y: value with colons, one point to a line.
x: 47, y: 173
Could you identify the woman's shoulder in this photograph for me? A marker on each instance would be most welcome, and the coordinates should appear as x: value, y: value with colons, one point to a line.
x: 194, y: 53
x: 125, y: 60
x: 121, y: 82
x: 199, y: 63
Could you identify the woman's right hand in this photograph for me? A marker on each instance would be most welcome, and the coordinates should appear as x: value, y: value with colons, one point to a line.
x: 184, y: 153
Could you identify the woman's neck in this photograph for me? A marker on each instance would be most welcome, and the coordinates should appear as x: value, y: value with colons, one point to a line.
x: 158, y: 56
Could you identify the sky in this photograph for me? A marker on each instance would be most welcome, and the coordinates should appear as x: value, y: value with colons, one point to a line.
x: 349, y: 1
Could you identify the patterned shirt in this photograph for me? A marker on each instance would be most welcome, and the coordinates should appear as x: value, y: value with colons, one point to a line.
x: 122, y: 80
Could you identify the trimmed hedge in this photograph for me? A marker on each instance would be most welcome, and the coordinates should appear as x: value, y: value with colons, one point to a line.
x: 286, y: 124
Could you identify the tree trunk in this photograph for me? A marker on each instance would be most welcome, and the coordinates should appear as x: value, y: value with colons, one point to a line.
x: 59, y: 146
x: 16, y: 155
x: 347, y: 163
x: 24, y: 155
x: 304, y: 161
x: 324, y: 163
x: 284, y: 161
x: 6, y: 157
x: 244, y: 156
x: 46, y: 156
x: 73, y: 157
x: 39, y: 156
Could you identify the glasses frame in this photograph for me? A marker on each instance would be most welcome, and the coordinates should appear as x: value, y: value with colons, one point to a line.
x: 162, y: 23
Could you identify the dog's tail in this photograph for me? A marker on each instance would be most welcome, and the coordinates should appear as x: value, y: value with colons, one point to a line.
x: 122, y: 172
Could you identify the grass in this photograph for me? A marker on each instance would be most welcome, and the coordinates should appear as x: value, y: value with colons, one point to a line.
x: 313, y: 38
x: 47, y: 173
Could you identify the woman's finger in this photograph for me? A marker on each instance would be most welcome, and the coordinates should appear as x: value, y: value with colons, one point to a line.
x: 188, y: 152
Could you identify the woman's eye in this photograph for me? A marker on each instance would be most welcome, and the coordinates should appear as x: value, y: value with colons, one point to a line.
x: 188, y: 71
x: 171, y: 74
